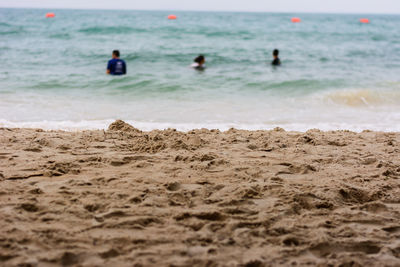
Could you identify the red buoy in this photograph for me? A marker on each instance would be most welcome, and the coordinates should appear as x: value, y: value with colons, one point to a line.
x: 364, y: 20
x: 296, y: 20
x: 172, y: 17
x: 50, y: 15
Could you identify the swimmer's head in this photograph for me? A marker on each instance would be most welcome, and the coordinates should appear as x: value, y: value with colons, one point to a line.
x: 115, y: 54
x: 275, y: 53
x: 200, y: 60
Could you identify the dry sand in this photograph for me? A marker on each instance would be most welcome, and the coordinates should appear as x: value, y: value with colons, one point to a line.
x: 123, y: 197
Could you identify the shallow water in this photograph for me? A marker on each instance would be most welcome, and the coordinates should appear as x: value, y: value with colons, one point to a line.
x: 337, y: 73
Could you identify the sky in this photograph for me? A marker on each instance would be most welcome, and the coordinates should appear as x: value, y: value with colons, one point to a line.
x: 325, y: 6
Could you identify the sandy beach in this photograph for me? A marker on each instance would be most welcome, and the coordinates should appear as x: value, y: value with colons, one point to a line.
x: 124, y: 197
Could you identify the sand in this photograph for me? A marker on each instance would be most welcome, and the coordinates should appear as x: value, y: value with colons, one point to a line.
x: 123, y: 197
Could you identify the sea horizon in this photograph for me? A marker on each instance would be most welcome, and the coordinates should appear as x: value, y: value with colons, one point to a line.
x: 205, y: 11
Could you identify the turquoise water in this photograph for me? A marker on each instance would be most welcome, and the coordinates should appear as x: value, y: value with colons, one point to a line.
x: 337, y: 73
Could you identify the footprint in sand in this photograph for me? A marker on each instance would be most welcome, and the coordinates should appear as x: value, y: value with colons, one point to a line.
x: 324, y: 249
x: 69, y: 258
x: 29, y: 207
x: 175, y: 186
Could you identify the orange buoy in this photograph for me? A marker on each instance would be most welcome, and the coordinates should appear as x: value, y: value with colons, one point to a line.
x: 50, y: 15
x: 364, y: 20
x: 296, y: 20
x: 172, y: 17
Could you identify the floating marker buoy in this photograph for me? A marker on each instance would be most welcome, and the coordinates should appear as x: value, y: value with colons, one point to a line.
x: 296, y: 20
x: 364, y: 20
x: 50, y: 15
x: 172, y: 17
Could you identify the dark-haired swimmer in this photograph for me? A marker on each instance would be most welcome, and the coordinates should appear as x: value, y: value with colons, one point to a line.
x: 116, y: 66
x: 199, y: 63
x: 276, y: 61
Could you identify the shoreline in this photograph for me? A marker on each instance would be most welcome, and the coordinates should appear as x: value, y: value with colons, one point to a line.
x: 199, y: 198
x: 74, y: 127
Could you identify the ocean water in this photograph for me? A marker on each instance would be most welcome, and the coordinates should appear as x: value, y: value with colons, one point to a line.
x: 336, y: 73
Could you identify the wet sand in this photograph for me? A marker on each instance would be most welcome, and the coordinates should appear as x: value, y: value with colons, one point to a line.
x: 123, y: 197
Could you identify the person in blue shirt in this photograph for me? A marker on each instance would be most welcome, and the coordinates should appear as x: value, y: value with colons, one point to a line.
x: 116, y: 66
